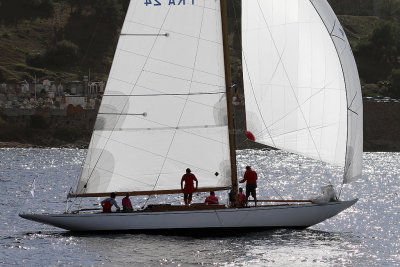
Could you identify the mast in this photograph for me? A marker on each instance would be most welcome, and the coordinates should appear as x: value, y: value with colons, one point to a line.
x: 231, y: 127
x: 122, y: 156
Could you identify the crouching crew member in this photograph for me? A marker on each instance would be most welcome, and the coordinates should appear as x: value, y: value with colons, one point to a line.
x: 109, y: 202
x: 242, y: 198
x: 211, y: 199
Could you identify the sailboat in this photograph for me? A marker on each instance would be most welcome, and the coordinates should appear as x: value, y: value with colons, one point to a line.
x: 168, y: 106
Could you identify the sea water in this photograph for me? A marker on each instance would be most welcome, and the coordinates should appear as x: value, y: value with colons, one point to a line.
x: 367, y: 234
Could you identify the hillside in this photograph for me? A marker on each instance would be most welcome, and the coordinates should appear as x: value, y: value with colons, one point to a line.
x: 63, y: 40
x: 76, y: 37
x: 29, y: 47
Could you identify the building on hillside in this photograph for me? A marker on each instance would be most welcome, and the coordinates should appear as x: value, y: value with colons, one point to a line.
x: 75, y: 100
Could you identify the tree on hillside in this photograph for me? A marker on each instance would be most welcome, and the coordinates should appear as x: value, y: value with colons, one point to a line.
x: 125, y: 5
x: 78, y: 6
x: 93, y: 26
x: 13, y: 12
x: 353, y: 7
x: 386, y: 40
x: 383, y: 45
x: 389, y: 8
x: 64, y: 53
x: 394, y: 90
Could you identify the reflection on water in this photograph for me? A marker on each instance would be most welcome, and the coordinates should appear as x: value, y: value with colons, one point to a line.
x: 281, y: 247
x: 365, y: 235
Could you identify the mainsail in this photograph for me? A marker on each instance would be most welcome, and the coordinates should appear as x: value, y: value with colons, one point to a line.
x: 301, y: 82
x: 164, y: 108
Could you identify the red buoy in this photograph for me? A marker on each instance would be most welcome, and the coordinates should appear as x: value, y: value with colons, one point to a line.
x: 250, y: 136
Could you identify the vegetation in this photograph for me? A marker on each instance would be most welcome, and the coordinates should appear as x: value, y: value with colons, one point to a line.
x: 58, y: 39
x: 11, y: 12
x: 375, y: 40
x: 63, y: 39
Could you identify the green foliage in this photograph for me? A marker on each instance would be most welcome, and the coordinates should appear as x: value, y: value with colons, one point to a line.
x: 353, y: 7
x: 65, y: 53
x: 125, y: 5
x: 6, y: 75
x: 39, y: 73
x: 385, y: 40
x: 389, y: 8
x: 378, y: 54
x: 12, y: 12
x: 394, y: 90
x: 35, y: 59
x: 94, y: 31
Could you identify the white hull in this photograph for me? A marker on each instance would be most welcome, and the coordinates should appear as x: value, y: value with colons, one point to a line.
x: 291, y: 216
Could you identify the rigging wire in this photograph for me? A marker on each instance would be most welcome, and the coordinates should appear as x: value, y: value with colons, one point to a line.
x: 238, y: 22
x: 184, y: 106
x: 126, y: 102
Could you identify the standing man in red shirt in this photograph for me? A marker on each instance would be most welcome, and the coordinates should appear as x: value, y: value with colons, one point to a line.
x: 188, y: 190
x: 251, y: 177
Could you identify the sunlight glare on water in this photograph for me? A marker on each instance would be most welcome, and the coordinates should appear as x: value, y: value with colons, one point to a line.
x: 367, y: 234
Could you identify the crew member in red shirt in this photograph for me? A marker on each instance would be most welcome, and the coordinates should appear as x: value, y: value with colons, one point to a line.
x: 188, y: 190
x: 109, y: 202
x: 242, y: 198
x: 251, y: 177
x: 211, y: 199
x: 127, y: 204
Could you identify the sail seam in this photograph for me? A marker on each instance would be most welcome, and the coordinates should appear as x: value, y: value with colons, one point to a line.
x: 171, y: 63
x: 290, y: 82
x: 165, y: 75
x: 144, y: 34
x: 177, y: 94
x: 106, y: 143
x: 187, y: 98
x: 183, y: 79
x: 295, y: 109
x: 299, y: 87
x: 345, y: 83
x: 190, y: 100
x: 302, y: 129
x: 179, y: 33
x: 156, y: 154
x: 167, y: 128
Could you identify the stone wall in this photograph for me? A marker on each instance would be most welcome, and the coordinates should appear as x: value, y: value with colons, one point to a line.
x: 73, y: 127
x: 48, y: 127
x: 382, y: 126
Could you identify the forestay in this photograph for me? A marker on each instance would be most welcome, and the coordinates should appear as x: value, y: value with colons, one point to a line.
x: 164, y: 107
x: 301, y: 82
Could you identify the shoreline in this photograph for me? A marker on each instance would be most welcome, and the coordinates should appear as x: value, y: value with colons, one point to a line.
x: 28, y: 145
x: 81, y: 145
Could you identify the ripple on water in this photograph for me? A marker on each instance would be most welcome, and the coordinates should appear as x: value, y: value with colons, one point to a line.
x: 367, y: 234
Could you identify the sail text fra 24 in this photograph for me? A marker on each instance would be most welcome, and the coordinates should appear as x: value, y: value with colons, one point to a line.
x: 170, y: 2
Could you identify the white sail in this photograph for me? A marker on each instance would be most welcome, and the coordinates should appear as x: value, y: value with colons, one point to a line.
x: 301, y: 82
x: 164, y: 107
